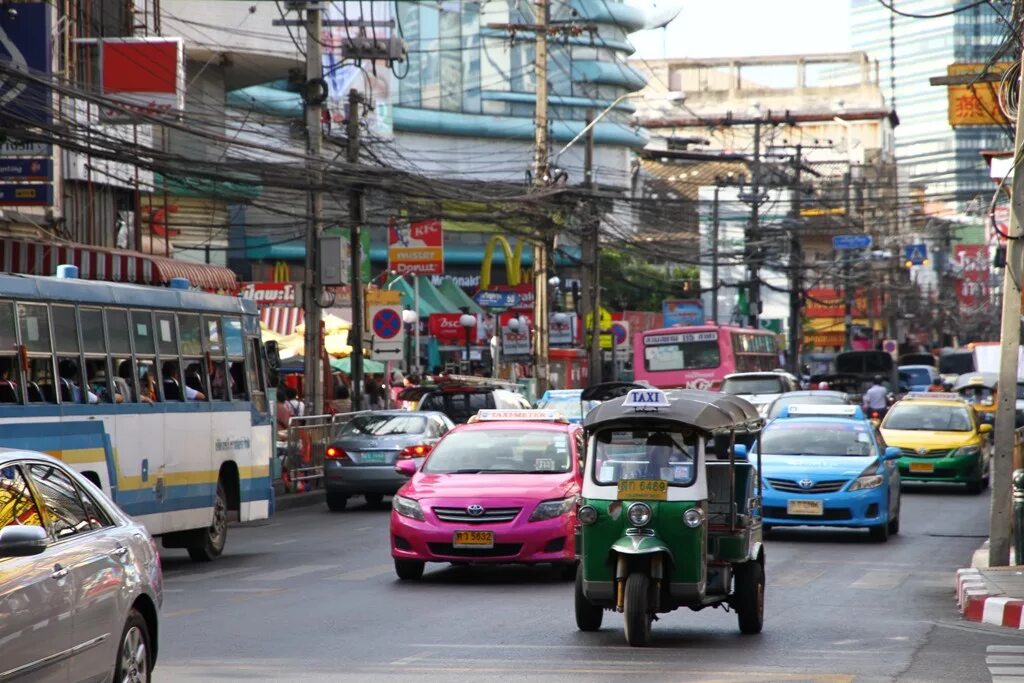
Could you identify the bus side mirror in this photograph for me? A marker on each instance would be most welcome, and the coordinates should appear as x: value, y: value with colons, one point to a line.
x: 273, y: 355
x: 740, y: 451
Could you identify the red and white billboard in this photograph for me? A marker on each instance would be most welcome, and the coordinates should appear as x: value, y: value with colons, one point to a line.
x: 416, y: 247
x: 446, y: 329
x: 972, y: 263
x: 269, y: 293
x: 142, y: 74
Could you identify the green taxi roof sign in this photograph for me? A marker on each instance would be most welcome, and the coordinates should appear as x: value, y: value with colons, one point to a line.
x: 646, y: 399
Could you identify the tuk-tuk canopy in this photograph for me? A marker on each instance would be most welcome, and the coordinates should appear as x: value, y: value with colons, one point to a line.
x: 988, y: 380
x: 706, y: 411
x: 608, y: 390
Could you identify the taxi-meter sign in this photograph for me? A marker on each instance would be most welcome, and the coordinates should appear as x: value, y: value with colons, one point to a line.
x: 387, y: 323
x: 646, y: 399
x: 642, y: 489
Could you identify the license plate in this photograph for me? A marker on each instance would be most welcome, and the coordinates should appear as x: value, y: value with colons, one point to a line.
x: 374, y: 457
x: 922, y: 467
x: 473, y: 539
x: 643, y: 489
x: 805, y: 507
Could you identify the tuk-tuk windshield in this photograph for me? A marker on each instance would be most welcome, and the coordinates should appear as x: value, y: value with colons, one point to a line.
x: 644, y: 454
x: 978, y: 395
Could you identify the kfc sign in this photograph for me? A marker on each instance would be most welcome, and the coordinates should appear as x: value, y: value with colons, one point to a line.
x: 416, y: 247
x: 269, y: 293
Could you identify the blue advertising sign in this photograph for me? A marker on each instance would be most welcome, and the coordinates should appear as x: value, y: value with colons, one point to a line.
x: 492, y: 298
x: 682, y: 312
x: 29, y: 170
x: 26, y: 195
x: 915, y: 254
x: 842, y: 242
x: 25, y: 47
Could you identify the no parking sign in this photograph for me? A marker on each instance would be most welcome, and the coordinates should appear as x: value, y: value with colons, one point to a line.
x: 620, y: 333
x: 387, y: 332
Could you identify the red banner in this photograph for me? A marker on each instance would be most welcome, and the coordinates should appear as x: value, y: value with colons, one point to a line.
x: 446, y: 329
x: 825, y: 302
x: 971, y: 261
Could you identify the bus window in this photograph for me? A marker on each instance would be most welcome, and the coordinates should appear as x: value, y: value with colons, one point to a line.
x: 94, y: 346
x: 211, y: 334
x: 216, y: 368
x: 167, y: 340
x: 148, y: 380
x: 96, y: 379
x: 253, y: 363
x: 125, y: 384
x: 234, y: 344
x: 218, y: 380
x: 34, y: 321
x: 93, y: 340
x: 117, y: 328
x: 188, y: 330
x: 233, y: 338
x: 8, y: 360
x: 65, y: 330
x: 142, y: 333
x: 35, y: 328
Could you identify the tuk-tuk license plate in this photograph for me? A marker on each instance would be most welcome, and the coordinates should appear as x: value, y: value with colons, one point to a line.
x: 643, y: 489
x: 922, y: 467
x: 373, y: 457
x: 473, y: 539
x: 805, y: 507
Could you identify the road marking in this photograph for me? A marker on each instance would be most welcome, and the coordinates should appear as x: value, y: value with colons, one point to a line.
x: 795, y: 578
x: 879, y: 580
x: 1007, y: 679
x: 1019, y: 649
x: 174, y: 590
x: 196, y: 577
x: 290, y: 572
x: 624, y: 669
x: 1006, y: 670
x: 364, y: 528
x: 366, y: 573
x: 1004, y: 659
x: 244, y: 590
x: 286, y: 542
x: 182, y: 612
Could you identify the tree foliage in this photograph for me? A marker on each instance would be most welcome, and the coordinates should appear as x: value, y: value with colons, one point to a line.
x: 630, y: 284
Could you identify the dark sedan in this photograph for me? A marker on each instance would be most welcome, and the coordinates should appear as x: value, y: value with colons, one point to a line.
x: 362, y: 456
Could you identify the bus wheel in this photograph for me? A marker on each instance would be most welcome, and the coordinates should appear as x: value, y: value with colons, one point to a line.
x: 637, y: 608
x: 209, y: 542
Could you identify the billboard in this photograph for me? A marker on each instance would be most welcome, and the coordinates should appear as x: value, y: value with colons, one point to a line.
x: 416, y: 247
x: 826, y: 302
x: 975, y: 104
x: 973, y: 267
x: 682, y: 312
x: 25, y: 47
x: 370, y: 77
x: 143, y: 74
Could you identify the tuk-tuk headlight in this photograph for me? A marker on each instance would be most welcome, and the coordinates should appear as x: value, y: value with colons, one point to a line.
x: 693, y: 517
x: 639, y: 514
x: 967, y: 450
x: 587, y: 514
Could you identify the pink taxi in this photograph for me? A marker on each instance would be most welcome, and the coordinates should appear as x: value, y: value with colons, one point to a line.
x: 500, y: 489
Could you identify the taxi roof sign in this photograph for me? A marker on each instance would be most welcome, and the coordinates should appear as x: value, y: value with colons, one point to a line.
x: 646, y: 399
x: 496, y: 415
x: 944, y: 395
x: 811, y: 410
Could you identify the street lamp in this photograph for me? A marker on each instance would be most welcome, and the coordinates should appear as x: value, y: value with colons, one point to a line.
x: 468, y: 322
x: 410, y: 318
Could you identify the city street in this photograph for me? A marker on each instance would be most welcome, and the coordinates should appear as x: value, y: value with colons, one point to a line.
x: 312, y: 596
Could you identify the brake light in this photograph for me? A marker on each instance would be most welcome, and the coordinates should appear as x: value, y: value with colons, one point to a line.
x: 417, y: 451
x: 874, y: 415
x: 335, y: 453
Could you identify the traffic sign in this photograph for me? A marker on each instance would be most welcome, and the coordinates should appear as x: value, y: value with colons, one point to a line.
x: 28, y: 170
x: 25, y: 48
x: 891, y: 346
x: 915, y: 254
x: 26, y: 195
x: 493, y: 298
x: 620, y: 333
x: 387, y: 322
x: 846, y: 242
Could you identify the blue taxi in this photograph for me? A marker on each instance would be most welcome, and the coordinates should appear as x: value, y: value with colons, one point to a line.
x: 828, y: 466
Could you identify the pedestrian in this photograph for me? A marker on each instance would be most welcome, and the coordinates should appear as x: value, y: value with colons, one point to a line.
x: 876, y: 399
x: 284, y: 415
x: 296, y: 406
x: 342, y: 402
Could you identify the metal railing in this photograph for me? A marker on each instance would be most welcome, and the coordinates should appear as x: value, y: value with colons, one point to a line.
x: 309, y: 437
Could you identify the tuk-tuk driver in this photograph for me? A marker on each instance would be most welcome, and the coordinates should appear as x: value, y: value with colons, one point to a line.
x: 663, y: 454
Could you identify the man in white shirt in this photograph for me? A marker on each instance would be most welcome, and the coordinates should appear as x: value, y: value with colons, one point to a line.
x: 876, y: 399
x: 173, y: 374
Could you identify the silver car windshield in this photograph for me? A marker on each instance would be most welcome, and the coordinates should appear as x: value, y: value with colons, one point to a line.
x: 752, y: 385
x: 384, y: 425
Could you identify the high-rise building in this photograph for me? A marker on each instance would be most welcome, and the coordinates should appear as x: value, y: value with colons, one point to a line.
x: 943, y: 161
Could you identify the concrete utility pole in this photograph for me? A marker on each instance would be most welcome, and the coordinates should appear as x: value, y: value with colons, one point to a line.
x: 313, y: 362
x: 796, y: 264
x: 751, y: 240
x: 1009, y: 337
x: 592, y: 260
x: 541, y: 253
x: 355, y: 213
x: 714, y: 256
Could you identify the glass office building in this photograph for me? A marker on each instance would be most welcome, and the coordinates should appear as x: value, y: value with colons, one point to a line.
x: 945, y: 162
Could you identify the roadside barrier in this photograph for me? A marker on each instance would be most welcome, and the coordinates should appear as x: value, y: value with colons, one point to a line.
x: 309, y: 436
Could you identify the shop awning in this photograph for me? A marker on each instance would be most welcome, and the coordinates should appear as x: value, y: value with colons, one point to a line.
x: 112, y: 265
x: 281, y: 319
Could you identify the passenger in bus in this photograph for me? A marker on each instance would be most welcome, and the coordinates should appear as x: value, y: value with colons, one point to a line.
x: 236, y: 370
x: 123, y: 383
x: 173, y: 387
x: 69, y: 390
x: 8, y: 388
x: 218, y: 381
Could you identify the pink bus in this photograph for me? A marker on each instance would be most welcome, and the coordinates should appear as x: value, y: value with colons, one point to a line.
x: 699, y: 357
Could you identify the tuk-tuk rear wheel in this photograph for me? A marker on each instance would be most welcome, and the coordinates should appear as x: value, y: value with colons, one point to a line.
x: 636, y: 605
x: 748, y: 600
x: 588, y: 615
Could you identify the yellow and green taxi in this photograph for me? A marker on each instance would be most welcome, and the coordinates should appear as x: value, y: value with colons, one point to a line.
x: 940, y: 438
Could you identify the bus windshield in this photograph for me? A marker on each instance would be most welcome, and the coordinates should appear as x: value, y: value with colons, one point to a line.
x: 700, y: 357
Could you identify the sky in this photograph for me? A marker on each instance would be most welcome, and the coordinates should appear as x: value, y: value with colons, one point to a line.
x: 709, y: 28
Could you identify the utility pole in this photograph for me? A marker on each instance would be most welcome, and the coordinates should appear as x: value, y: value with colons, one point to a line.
x: 355, y: 213
x: 847, y: 304
x: 541, y: 253
x: 751, y: 241
x: 1001, y: 466
x: 592, y: 260
x: 714, y: 255
x: 313, y: 362
x: 795, y: 268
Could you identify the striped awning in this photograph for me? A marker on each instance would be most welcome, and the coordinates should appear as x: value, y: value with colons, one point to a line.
x: 112, y: 265
x: 281, y: 319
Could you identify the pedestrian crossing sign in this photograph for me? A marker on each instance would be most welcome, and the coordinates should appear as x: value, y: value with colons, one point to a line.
x: 915, y: 255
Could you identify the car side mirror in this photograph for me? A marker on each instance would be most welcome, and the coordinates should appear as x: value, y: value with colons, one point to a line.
x: 984, y: 428
x: 22, y: 541
x: 892, y: 453
x: 406, y: 467
x: 740, y: 451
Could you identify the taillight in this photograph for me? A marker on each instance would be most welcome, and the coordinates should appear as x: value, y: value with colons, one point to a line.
x: 874, y: 415
x: 335, y: 453
x: 417, y: 451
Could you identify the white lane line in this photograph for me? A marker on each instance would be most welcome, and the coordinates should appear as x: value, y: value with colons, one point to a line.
x: 796, y: 578
x: 202, y: 576
x: 285, y: 542
x: 1006, y: 648
x: 1004, y: 659
x: 366, y: 573
x: 1006, y: 670
x: 244, y: 590
x: 879, y: 580
x: 174, y: 590
x: 290, y: 572
x: 1007, y: 679
x: 364, y: 528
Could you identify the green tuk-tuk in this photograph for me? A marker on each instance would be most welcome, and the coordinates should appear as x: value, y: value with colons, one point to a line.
x: 670, y: 514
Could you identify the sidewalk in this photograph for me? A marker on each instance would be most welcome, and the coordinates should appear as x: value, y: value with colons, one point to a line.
x: 991, y: 595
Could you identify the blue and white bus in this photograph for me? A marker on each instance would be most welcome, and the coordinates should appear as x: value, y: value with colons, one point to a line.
x: 157, y: 395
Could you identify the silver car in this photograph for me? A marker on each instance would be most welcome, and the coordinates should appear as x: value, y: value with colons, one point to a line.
x: 80, y: 582
x: 361, y: 458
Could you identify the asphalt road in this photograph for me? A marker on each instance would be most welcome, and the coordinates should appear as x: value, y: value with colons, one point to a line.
x: 312, y: 596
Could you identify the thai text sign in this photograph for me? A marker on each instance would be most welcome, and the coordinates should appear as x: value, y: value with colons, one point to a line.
x: 972, y: 263
x: 269, y: 293
x: 416, y: 247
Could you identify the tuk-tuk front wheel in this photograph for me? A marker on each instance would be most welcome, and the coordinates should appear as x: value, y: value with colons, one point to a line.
x: 588, y: 615
x: 748, y: 599
x: 636, y: 605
